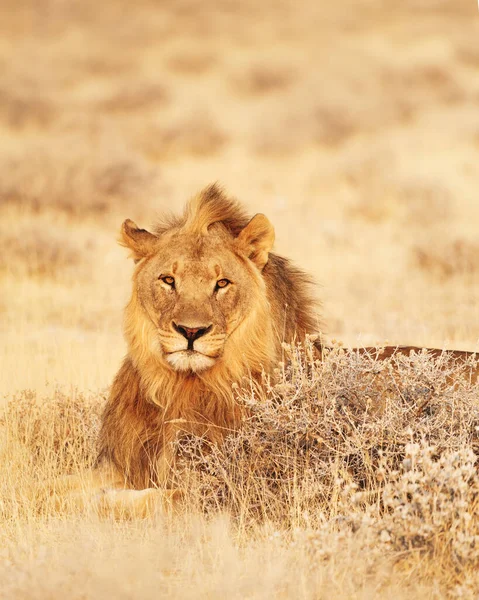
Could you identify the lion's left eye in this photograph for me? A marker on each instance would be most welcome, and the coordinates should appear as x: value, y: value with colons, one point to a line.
x: 222, y: 283
x: 167, y: 279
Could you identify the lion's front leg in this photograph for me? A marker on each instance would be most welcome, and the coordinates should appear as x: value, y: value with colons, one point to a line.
x: 103, y: 491
x: 128, y: 502
x: 78, y: 492
x: 135, y: 504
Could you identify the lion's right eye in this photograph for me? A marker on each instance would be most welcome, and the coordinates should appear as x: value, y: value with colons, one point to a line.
x: 222, y: 283
x: 167, y: 279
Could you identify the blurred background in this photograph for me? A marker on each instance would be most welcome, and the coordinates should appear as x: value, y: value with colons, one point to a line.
x: 353, y: 125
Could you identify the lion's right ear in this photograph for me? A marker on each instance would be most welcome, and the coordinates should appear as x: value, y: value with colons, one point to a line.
x: 142, y: 243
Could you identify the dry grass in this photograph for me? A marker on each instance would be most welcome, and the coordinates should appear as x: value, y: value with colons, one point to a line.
x: 42, y: 250
x: 353, y: 126
x: 347, y: 458
x: 69, y: 177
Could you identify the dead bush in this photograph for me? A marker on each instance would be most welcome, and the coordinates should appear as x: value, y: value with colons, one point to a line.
x: 41, y: 250
x: 382, y: 197
x: 196, y: 136
x: 334, y: 125
x: 264, y: 79
x: 428, y: 519
x: 447, y: 259
x: 135, y: 97
x: 74, y: 179
x: 413, y: 87
x: 346, y: 418
x: 291, y: 132
x: 191, y: 63
x: 21, y: 108
x: 431, y: 503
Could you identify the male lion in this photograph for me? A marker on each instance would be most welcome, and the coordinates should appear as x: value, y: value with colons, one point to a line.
x: 210, y: 305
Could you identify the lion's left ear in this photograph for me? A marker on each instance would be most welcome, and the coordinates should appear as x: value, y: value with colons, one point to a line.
x: 141, y: 242
x: 256, y: 240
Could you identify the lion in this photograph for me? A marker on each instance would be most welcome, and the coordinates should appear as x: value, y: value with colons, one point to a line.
x: 211, y: 304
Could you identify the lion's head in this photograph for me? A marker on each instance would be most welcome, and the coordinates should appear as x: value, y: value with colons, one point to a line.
x: 198, y: 285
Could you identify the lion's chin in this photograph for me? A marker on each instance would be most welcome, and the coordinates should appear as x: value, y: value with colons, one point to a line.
x: 188, y: 361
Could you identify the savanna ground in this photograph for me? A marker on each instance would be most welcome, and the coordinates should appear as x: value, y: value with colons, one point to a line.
x: 355, y: 127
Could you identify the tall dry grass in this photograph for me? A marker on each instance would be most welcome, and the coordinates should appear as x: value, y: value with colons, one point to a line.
x: 348, y: 473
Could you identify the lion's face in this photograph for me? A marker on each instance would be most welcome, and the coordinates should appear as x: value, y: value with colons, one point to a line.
x: 196, y: 288
x: 196, y: 292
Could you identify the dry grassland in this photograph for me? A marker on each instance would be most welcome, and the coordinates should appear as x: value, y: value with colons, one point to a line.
x: 355, y: 127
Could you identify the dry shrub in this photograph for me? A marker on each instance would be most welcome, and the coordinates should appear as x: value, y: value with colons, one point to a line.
x: 42, y: 250
x: 428, y: 525
x: 431, y: 503
x: 447, y: 259
x: 75, y: 178
x: 264, y: 79
x: 291, y: 132
x: 195, y: 136
x: 191, y: 63
x: 136, y: 97
x: 381, y: 196
x: 345, y: 418
x: 412, y: 87
x: 381, y: 450
x: 426, y: 203
x: 334, y: 125
x: 468, y: 54
x: 279, y: 136
x: 21, y: 108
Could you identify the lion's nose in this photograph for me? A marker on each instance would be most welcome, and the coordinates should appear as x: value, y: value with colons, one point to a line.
x: 191, y: 333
